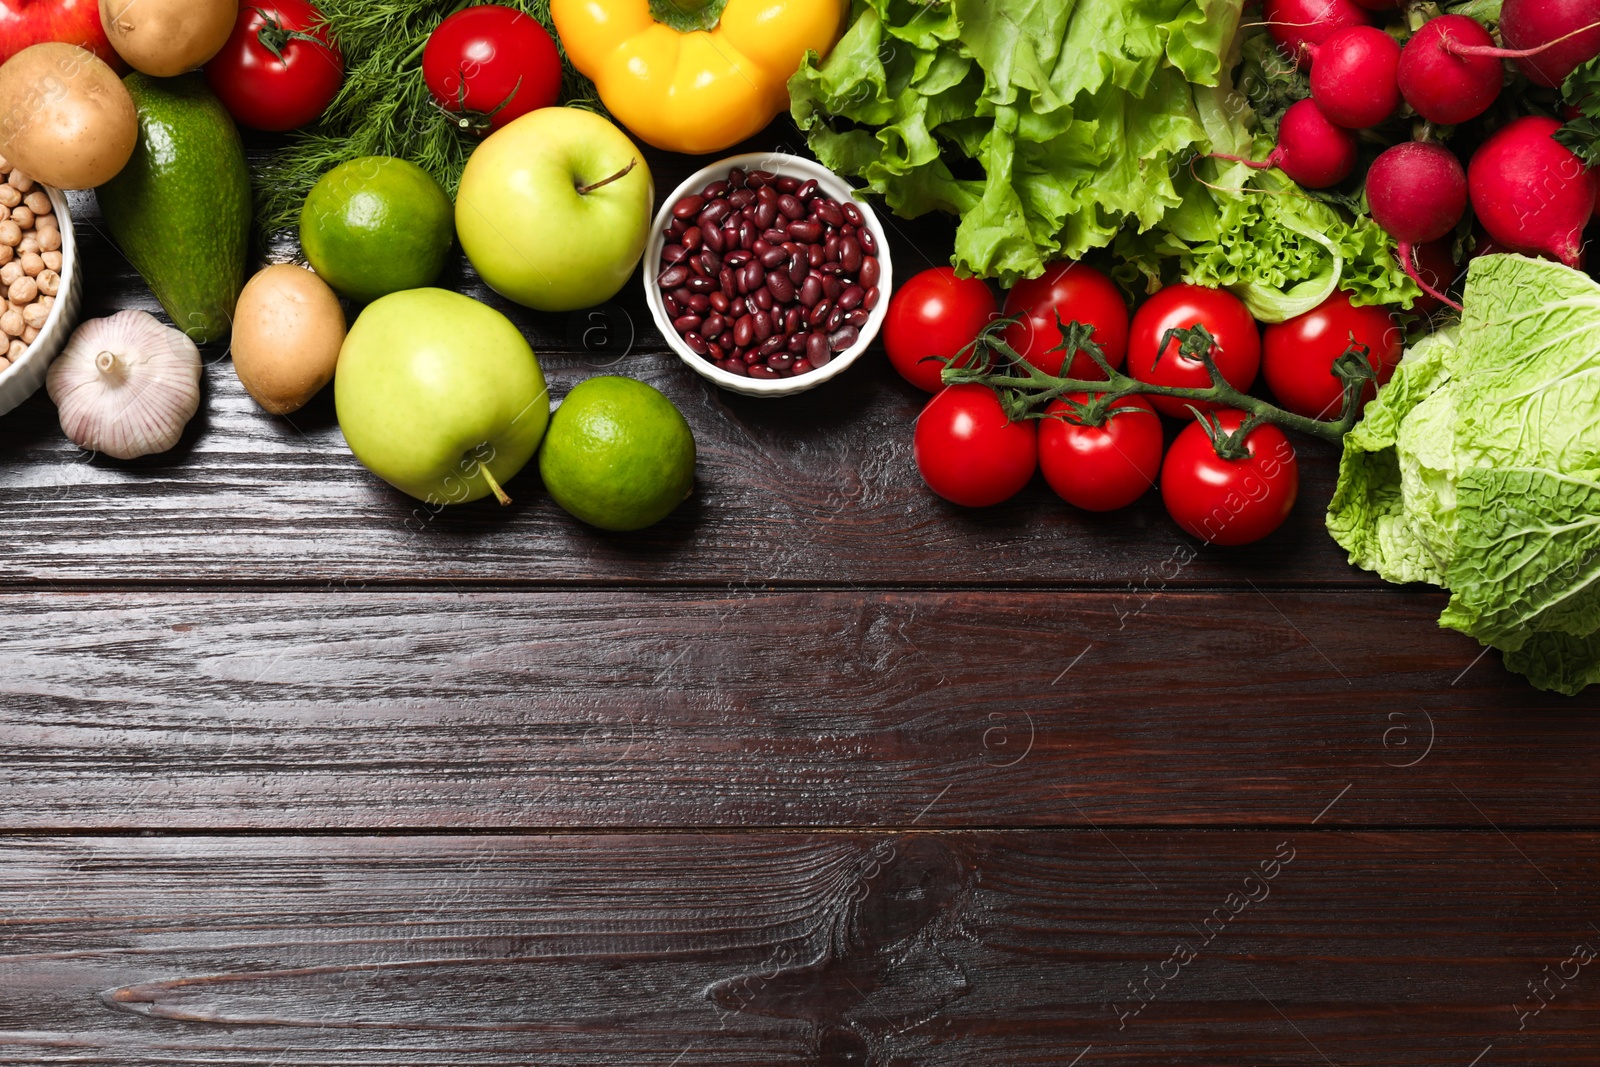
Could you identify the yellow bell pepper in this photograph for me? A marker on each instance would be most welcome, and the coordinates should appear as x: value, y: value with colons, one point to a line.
x: 698, y: 90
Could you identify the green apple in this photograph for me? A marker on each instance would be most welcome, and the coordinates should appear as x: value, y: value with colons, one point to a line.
x: 554, y: 209
x: 440, y: 396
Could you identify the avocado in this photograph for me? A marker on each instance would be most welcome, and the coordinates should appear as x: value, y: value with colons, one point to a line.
x: 180, y: 209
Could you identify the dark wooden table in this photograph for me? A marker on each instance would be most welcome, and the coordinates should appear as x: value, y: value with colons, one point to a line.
x: 818, y: 771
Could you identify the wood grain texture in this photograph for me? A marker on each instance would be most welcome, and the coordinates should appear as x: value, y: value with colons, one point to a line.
x: 936, y: 950
x: 737, y: 708
x: 818, y: 488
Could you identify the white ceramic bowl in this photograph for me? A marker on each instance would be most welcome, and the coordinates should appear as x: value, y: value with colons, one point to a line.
x: 22, y: 379
x: 777, y: 163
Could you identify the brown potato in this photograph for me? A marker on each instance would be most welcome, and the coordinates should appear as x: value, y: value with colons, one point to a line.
x: 287, y: 332
x: 66, y: 119
x: 164, y: 38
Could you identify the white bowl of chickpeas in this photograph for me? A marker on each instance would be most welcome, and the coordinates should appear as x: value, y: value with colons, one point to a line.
x: 41, y: 292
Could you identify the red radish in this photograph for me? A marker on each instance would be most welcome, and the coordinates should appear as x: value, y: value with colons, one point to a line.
x: 1417, y: 192
x: 1312, y: 151
x: 1569, y: 30
x: 1446, y: 75
x: 1530, y: 192
x: 1354, y: 76
x: 1294, y: 24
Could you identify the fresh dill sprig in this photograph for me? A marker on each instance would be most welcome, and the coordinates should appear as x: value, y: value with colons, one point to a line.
x: 383, y: 108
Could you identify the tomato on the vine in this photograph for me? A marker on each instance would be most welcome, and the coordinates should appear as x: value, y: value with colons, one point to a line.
x: 278, y: 70
x: 488, y: 65
x: 969, y: 452
x: 1230, y: 501
x: 1077, y: 293
x: 1298, y: 355
x: 1105, y: 467
x: 936, y: 313
x: 1236, y: 351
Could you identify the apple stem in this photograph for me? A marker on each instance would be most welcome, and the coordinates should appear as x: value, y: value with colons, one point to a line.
x: 623, y: 173
x: 499, y: 493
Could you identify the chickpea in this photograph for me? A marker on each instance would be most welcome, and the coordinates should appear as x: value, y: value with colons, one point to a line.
x: 23, y: 218
x: 49, y: 240
x: 29, y: 243
x: 10, y: 233
x: 30, y: 335
x: 9, y: 197
x: 12, y: 323
x: 10, y: 273
x: 15, y: 349
x: 32, y: 264
x: 5, y: 363
x: 20, y: 182
x: 52, y: 259
x: 23, y: 291
x: 35, y: 315
x: 49, y: 283
x: 38, y: 202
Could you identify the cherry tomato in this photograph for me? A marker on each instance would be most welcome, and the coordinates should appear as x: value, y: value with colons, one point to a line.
x: 1228, y: 501
x: 936, y: 313
x: 1298, y: 355
x: 1237, y: 350
x: 969, y: 452
x: 1101, y: 468
x: 1078, y: 293
x: 276, y: 72
x: 489, y: 64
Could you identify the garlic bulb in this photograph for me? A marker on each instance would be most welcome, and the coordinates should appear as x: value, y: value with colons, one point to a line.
x: 126, y: 385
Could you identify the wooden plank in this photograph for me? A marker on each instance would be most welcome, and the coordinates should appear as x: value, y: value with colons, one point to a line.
x: 737, y: 708
x: 818, y: 488
x: 1022, y: 948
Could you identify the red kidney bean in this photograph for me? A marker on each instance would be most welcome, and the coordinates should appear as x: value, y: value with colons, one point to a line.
x: 780, y: 362
x: 674, y: 309
x: 815, y: 256
x: 830, y: 248
x: 751, y: 358
x: 754, y: 275
x: 797, y: 341
x: 761, y: 247
x: 714, y: 190
x: 775, y: 258
x: 766, y: 215
x: 817, y: 350
x: 843, y: 338
x: 807, y: 190
x: 713, y: 325
x: 850, y: 255
x: 741, y: 198
x: 691, y: 239
x: 763, y: 298
x: 686, y: 323
x: 762, y: 372
x: 737, y: 258
x: 730, y: 235
x: 775, y: 236
x: 805, y: 231
x: 834, y: 269
x: 714, y: 351
x: 869, y: 243
x: 736, y: 178
x: 696, y: 344
x: 852, y: 212
x: 819, y: 314
x: 831, y: 286
x: 698, y: 284
x: 712, y: 263
x: 744, y: 331
x: 725, y: 279
x: 835, y: 319
x: 851, y: 298
x: 735, y: 366
x: 793, y: 319
x: 699, y: 304
x: 780, y: 285
x: 787, y: 184
x: 791, y: 207
x: 870, y: 301
x: 720, y: 303
x: 758, y: 179
x: 830, y: 213
x: 868, y: 275
x: 747, y: 234
x: 801, y: 366
x: 763, y: 326
x: 688, y: 207
x: 810, y: 292
x: 683, y: 294
x: 673, y: 277
x: 712, y: 214
x: 799, y: 268
x: 771, y: 347
x: 673, y: 254
x: 857, y: 318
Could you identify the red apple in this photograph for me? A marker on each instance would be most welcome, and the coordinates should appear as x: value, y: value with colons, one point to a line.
x: 30, y: 22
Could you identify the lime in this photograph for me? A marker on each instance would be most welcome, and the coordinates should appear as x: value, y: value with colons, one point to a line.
x: 618, y: 455
x: 377, y: 225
